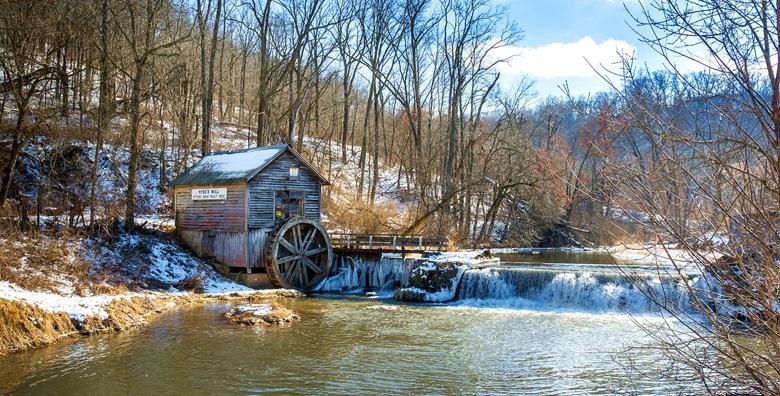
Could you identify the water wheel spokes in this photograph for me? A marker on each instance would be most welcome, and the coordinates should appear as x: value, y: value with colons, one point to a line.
x: 298, y: 254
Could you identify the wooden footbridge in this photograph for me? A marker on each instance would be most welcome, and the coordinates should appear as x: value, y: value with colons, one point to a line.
x: 376, y: 244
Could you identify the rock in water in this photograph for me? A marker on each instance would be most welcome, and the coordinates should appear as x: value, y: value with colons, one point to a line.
x: 261, y: 315
x: 432, y: 281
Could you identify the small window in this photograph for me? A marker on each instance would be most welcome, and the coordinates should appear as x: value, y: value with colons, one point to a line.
x: 288, y: 204
x: 294, y: 172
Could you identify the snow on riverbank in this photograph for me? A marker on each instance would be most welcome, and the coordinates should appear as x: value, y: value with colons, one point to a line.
x: 465, y: 257
x: 77, y: 307
x: 529, y: 250
x: 147, y: 265
x: 661, y: 256
x: 158, y: 262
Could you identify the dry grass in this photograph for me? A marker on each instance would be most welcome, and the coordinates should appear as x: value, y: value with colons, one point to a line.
x: 123, y: 314
x: 51, y: 263
x: 34, y: 262
x: 24, y: 326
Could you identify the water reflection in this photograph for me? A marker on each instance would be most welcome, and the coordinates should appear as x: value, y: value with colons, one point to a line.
x: 344, y: 346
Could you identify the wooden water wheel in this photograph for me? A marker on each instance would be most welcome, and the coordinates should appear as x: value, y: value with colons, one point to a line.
x: 298, y: 254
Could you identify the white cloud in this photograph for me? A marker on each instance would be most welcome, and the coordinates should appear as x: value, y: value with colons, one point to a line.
x: 563, y: 60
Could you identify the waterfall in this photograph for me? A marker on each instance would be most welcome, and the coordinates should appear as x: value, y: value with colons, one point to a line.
x: 599, y: 291
x: 355, y: 274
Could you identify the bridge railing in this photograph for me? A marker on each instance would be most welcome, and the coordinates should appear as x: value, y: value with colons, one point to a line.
x: 388, y: 243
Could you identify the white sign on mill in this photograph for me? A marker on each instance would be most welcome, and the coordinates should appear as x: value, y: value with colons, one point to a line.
x: 209, y: 194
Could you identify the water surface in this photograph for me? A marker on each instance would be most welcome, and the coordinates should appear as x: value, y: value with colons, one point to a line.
x: 343, y: 346
x: 543, y: 328
x: 547, y: 256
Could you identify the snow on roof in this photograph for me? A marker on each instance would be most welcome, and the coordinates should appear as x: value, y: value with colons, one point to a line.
x: 239, y: 163
x: 229, y: 166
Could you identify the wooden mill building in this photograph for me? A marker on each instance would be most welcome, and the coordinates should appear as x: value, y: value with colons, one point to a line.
x: 230, y: 203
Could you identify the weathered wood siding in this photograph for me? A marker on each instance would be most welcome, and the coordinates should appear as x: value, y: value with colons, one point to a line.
x: 256, y: 240
x: 227, y: 215
x: 261, y: 206
x: 225, y: 247
x: 276, y: 177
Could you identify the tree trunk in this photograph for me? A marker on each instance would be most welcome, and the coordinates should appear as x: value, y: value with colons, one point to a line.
x: 345, y: 119
x: 207, y: 89
x: 364, y: 141
x: 220, y: 104
x: 16, y: 149
x: 262, y: 93
x: 242, y: 86
x: 375, y: 178
x: 202, y: 32
x: 103, y: 115
x: 135, y: 121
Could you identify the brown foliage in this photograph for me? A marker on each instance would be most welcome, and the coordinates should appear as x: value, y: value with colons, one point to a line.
x: 362, y: 217
x: 24, y: 326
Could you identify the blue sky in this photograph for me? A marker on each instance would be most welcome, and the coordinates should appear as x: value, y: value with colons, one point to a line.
x: 560, y: 34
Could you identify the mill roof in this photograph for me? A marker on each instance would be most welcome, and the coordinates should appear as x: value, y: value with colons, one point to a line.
x: 233, y: 166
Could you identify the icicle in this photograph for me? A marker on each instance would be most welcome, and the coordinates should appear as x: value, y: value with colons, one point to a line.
x: 352, y: 274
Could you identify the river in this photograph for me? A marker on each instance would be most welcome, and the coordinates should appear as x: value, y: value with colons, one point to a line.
x: 358, y: 345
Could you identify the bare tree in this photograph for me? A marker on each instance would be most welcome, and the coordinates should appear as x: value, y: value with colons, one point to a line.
x: 104, y: 107
x: 142, y: 34
x: 23, y: 73
x: 703, y: 162
x: 207, y: 80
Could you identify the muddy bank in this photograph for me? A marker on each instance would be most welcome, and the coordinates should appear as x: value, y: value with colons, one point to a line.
x: 26, y: 326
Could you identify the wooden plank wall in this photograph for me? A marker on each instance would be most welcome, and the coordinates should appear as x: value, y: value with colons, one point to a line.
x: 276, y: 177
x: 224, y: 215
x: 226, y: 247
x: 256, y: 239
x: 261, y: 206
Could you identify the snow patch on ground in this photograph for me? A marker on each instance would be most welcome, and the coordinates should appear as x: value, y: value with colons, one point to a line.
x: 77, y: 307
x: 147, y: 263
x: 157, y: 261
x: 255, y: 309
